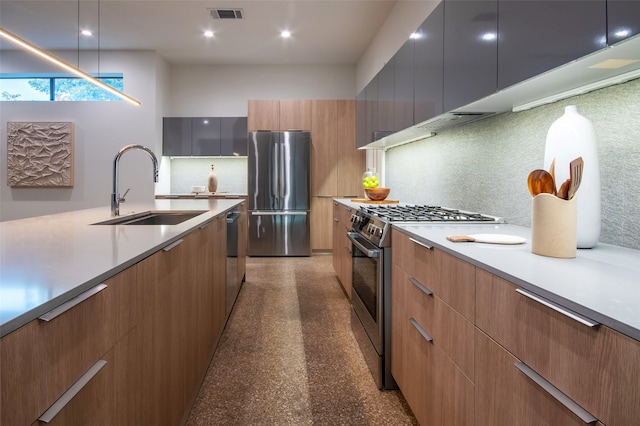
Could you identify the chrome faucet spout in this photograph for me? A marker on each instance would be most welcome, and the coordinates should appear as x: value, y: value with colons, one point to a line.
x: 115, y: 194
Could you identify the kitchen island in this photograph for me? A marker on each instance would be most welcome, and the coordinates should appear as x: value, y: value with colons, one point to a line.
x: 110, y: 324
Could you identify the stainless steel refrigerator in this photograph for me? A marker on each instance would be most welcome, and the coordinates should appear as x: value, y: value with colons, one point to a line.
x: 279, y: 194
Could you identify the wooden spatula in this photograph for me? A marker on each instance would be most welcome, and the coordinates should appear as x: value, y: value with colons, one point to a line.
x: 575, y: 175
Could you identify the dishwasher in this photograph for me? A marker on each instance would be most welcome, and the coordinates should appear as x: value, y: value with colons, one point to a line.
x: 233, y: 284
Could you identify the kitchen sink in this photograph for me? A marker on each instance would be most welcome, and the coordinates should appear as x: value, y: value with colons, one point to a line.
x: 154, y: 218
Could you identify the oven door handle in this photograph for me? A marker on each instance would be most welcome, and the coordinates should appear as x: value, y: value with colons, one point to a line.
x: 369, y: 252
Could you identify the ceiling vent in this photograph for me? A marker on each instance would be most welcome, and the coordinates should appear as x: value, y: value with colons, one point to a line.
x: 227, y: 13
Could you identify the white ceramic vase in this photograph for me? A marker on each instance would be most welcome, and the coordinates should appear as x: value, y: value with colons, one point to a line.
x: 569, y: 137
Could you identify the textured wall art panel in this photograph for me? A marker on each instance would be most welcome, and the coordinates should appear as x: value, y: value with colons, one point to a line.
x: 39, y: 154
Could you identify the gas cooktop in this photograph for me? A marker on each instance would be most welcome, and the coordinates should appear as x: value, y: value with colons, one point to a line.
x: 423, y: 213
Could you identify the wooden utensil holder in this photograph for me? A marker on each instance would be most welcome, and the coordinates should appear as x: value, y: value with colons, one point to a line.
x: 553, y: 226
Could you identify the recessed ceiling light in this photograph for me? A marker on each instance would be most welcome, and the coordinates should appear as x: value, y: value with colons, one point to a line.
x: 285, y: 34
x: 208, y: 33
x: 86, y: 33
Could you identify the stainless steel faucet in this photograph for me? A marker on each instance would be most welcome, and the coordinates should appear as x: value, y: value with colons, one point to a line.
x: 115, y: 195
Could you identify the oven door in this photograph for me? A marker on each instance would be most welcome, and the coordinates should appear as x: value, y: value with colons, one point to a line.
x: 367, y: 287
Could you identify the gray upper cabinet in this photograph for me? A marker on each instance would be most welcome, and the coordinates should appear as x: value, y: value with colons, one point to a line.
x: 233, y: 136
x: 385, y: 97
x: 361, y: 119
x: 176, y: 136
x: 204, y: 136
x: 404, y: 87
x: 623, y: 18
x: 428, y: 63
x: 371, y: 118
x: 470, y: 51
x: 537, y: 36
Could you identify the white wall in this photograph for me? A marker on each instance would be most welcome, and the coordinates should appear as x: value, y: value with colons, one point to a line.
x: 101, y: 129
x: 223, y: 90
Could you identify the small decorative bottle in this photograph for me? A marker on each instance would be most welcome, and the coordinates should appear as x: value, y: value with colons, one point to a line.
x: 212, y: 181
x: 370, y: 173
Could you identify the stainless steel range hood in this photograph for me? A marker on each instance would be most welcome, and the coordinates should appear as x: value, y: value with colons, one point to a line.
x: 583, y: 75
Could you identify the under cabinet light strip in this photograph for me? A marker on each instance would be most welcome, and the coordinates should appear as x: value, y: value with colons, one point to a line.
x: 65, y: 65
x: 622, y: 78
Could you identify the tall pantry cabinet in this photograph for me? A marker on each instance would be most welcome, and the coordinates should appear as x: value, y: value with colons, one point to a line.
x: 336, y: 164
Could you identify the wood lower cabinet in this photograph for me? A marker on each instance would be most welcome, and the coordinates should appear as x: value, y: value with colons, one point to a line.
x: 43, y: 359
x: 506, y: 396
x: 342, y: 245
x: 321, y: 218
x: 432, y: 343
x: 243, y: 231
x: 182, y: 316
x: 594, y: 366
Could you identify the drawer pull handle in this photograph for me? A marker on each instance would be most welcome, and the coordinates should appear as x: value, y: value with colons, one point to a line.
x: 335, y: 219
x: 424, y: 334
x: 204, y: 225
x: 173, y: 245
x: 564, y: 311
x: 420, y: 243
x: 348, y: 250
x: 73, y: 302
x: 421, y: 286
x: 57, y: 406
x: 576, y: 409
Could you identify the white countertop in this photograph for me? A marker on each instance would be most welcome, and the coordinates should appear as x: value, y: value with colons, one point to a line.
x: 48, y: 260
x: 602, y: 283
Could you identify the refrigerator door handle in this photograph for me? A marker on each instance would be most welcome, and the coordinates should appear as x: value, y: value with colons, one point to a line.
x: 275, y: 193
x: 283, y: 173
x: 273, y: 213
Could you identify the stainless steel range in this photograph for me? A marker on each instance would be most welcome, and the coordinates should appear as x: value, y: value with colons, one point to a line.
x: 370, y: 237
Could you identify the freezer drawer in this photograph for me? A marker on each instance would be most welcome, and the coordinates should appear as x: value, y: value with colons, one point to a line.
x: 277, y: 233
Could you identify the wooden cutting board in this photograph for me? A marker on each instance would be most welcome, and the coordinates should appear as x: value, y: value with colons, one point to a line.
x: 368, y: 201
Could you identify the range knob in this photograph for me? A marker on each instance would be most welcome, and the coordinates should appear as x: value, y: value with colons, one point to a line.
x: 355, y: 219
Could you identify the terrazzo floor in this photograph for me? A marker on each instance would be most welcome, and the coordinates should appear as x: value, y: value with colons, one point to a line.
x: 287, y: 355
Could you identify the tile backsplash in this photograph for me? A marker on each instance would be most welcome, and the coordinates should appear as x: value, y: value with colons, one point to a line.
x: 484, y: 166
x: 192, y: 171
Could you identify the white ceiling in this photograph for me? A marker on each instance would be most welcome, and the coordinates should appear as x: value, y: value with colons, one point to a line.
x: 323, y: 32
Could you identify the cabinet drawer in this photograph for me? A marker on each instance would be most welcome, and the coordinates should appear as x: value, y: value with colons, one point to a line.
x: 450, y: 331
x: 42, y: 359
x: 595, y: 366
x: 451, y: 279
x: 109, y: 398
x: 506, y: 396
x: 437, y: 391
x: 416, y: 258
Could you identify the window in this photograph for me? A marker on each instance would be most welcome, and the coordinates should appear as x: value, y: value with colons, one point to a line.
x: 20, y: 87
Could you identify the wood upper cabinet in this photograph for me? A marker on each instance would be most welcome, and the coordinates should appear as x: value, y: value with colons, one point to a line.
x: 351, y: 161
x: 324, y: 148
x: 594, y: 366
x: 534, y: 37
x: 295, y: 114
x: 470, y: 51
x: 263, y: 115
x: 43, y: 359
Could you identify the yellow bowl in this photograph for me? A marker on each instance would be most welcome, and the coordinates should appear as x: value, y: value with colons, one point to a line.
x: 377, y: 194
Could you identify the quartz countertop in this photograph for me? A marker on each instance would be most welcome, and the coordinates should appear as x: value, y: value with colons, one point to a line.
x: 47, y: 260
x: 602, y: 283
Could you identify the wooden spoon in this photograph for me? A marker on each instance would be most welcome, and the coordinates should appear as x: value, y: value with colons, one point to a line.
x: 540, y: 182
x: 552, y: 172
